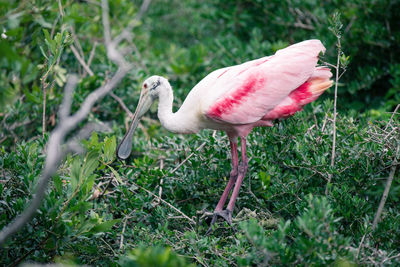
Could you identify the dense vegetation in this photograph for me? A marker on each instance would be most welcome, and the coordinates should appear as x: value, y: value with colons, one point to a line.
x: 102, y: 211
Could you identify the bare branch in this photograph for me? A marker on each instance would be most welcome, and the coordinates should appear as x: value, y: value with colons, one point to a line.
x: 122, y: 104
x: 126, y: 33
x: 65, y: 108
x: 191, y: 154
x: 329, y: 64
x: 106, y: 22
x: 384, y: 196
x: 92, y: 54
x: 60, y: 8
x: 81, y: 60
x: 393, y: 114
x: 77, y: 43
x: 167, y: 203
x: 143, y: 9
x: 339, y: 52
x: 55, y: 153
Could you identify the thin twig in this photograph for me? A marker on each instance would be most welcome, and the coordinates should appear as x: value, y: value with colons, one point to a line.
x: 121, y: 242
x: 44, y: 86
x: 81, y: 60
x: 391, y: 118
x: 60, y: 8
x: 384, y: 196
x: 122, y: 104
x: 334, y: 113
x: 191, y: 154
x: 391, y: 258
x: 167, y: 203
x: 108, y: 245
x: 127, y: 217
x: 107, y: 186
x: 55, y: 152
x: 161, y: 180
x: 91, y: 56
x: 77, y: 43
x: 329, y: 64
x: 360, y: 246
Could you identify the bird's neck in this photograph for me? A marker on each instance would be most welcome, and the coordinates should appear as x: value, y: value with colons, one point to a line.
x: 173, y: 122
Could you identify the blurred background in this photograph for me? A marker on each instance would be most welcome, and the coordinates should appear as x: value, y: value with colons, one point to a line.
x: 185, y: 40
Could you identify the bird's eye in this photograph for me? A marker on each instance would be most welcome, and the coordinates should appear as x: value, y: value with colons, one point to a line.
x: 145, y: 85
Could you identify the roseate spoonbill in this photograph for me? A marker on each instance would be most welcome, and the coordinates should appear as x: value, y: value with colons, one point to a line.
x: 236, y: 99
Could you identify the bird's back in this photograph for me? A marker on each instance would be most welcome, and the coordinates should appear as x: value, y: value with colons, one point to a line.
x: 245, y: 93
x: 261, y: 89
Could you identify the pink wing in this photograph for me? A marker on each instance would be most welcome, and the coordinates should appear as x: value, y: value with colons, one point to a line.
x: 246, y: 93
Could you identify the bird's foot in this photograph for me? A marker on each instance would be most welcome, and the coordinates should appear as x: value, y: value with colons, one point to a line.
x: 225, y: 214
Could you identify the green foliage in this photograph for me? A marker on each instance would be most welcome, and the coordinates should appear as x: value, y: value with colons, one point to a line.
x: 156, y: 256
x: 67, y: 213
x: 312, y: 239
x: 370, y: 35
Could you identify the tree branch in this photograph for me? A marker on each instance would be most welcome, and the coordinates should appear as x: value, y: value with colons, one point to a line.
x: 55, y: 151
x: 81, y: 60
x: 385, y: 195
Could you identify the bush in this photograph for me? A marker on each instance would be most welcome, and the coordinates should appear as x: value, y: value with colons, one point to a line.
x: 312, y: 239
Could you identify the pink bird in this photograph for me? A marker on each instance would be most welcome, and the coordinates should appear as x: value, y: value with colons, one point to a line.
x: 236, y: 99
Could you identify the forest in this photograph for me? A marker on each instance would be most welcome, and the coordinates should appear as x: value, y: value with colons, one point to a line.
x: 322, y: 187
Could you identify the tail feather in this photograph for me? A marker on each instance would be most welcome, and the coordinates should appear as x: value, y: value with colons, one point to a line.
x: 313, y: 87
x: 320, y: 80
x: 304, y: 94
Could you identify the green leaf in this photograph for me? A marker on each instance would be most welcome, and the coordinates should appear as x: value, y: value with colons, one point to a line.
x: 88, y: 185
x: 104, y: 227
x: 90, y: 164
x: 43, y: 53
x: 46, y: 34
x: 116, y: 174
x: 75, y: 172
x: 57, y: 183
x: 109, y: 148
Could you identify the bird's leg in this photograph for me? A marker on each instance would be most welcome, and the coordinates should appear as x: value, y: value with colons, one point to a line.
x: 232, y: 179
x: 241, y: 174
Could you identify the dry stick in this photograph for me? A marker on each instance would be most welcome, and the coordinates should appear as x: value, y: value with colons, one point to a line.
x: 88, y: 70
x: 127, y: 217
x: 55, y: 153
x: 167, y: 203
x: 391, y: 258
x: 391, y: 118
x: 44, y: 86
x: 122, y: 104
x: 384, y: 196
x: 77, y: 43
x: 91, y: 56
x: 361, y: 243
x: 191, y: 154
x: 121, y: 243
x: 81, y: 60
x: 60, y: 8
x: 161, y: 180
x: 334, y: 115
x: 108, y: 245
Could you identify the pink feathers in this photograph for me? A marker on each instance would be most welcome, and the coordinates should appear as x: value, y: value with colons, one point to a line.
x: 243, y: 95
x: 225, y: 105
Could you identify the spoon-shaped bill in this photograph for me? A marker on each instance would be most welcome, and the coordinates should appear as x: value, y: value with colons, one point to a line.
x: 125, y: 147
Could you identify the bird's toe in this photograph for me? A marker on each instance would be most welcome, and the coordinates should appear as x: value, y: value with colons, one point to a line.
x: 225, y: 214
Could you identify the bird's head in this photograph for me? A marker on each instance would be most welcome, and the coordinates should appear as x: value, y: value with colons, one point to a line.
x: 152, y: 88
